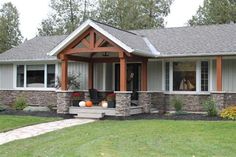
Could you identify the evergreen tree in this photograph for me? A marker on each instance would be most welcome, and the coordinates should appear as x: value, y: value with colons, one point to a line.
x: 65, y: 17
x: 215, y: 12
x: 10, y: 35
x: 134, y: 14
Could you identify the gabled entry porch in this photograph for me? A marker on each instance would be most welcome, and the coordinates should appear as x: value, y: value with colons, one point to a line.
x: 130, y: 75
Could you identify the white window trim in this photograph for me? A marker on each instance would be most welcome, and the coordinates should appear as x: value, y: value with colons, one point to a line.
x: 198, y: 78
x: 45, y: 88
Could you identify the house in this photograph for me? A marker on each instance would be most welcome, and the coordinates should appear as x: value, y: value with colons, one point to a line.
x: 193, y: 63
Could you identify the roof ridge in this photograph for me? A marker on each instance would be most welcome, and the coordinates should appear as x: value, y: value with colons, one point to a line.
x: 114, y: 27
x: 182, y: 27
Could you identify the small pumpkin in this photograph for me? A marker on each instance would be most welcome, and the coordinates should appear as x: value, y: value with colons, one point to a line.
x: 82, y: 103
x: 89, y: 104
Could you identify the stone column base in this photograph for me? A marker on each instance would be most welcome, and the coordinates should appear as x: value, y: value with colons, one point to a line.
x: 63, y: 101
x: 123, y: 103
x: 145, y: 100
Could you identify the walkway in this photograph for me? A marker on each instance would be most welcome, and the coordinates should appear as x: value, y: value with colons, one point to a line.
x: 38, y: 129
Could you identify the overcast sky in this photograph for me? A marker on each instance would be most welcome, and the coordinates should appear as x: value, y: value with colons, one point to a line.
x: 33, y: 11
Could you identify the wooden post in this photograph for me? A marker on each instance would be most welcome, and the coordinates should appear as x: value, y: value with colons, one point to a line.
x: 64, y: 72
x: 90, y: 75
x: 144, y: 75
x: 219, y: 73
x: 123, y: 73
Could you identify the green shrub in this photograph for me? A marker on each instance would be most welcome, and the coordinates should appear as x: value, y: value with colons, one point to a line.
x: 20, y: 103
x: 1, y: 108
x: 229, y: 113
x: 210, y: 107
x: 177, y: 103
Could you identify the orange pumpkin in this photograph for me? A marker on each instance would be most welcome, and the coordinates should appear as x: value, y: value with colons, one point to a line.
x: 89, y: 103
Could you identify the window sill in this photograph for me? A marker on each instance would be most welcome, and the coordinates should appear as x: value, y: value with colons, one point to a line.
x: 187, y: 93
x: 35, y: 89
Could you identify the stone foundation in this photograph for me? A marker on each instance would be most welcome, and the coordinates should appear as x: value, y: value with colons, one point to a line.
x: 33, y: 98
x: 63, y: 101
x: 145, y: 100
x: 123, y: 103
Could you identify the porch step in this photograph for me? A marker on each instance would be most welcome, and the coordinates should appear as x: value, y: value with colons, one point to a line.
x: 90, y: 115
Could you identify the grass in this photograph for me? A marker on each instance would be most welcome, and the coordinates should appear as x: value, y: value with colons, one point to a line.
x: 151, y: 138
x: 9, y: 122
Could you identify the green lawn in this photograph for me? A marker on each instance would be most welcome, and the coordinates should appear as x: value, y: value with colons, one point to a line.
x: 8, y: 122
x: 130, y: 139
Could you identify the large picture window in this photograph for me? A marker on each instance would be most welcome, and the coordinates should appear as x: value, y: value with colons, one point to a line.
x: 184, y: 76
x: 37, y: 76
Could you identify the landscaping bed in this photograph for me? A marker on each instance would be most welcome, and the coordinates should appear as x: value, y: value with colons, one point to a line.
x: 35, y: 113
x: 169, y: 116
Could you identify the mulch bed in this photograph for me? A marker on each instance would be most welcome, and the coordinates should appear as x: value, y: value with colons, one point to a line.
x: 38, y: 114
x: 187, y: 116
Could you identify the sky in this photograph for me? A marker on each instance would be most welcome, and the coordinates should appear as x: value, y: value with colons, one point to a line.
x: 33, y: 11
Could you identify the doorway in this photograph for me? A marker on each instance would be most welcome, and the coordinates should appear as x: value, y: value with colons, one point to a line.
x: 133, y: 76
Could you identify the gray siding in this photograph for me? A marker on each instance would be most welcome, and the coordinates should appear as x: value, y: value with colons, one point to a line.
x: 78, y: 68
x: 229, y: 75
x: 213, y: 75
x: 98, y: 76
x: 109, y: 78
x: 6, y: 76
x: 155, y: 76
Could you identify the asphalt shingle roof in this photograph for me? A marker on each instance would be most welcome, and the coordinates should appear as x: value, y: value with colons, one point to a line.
x: 198, y: 40
x: 34, y: 49
x: 182, y: 41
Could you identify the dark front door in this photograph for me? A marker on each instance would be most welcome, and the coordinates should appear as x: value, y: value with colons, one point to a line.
x: 133, y: 76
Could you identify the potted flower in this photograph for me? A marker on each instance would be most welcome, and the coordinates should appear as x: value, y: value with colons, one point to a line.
x: 111, y: 100
x: 76, y: 97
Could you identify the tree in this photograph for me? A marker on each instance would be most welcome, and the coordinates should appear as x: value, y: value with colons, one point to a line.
x: 10, y: 35
x: 65, y: 17
x: 130, y: 14
x: 215, y: 12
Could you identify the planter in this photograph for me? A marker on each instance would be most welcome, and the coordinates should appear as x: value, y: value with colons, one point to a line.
x: 75, y: 102
x: 111, y: 104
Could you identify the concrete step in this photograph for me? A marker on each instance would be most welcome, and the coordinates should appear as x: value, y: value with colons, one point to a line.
x: 90, y: 115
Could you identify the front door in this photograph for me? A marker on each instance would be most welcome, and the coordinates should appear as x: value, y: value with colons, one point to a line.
x: 133, y: 76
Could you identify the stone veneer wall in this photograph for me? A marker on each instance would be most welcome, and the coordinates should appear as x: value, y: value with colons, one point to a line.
x: 192, y: 102
x: 63, y: 101
x: 123, y: 103
x: 230, y: 99
x: 33, y: 98
x: 145, y: 100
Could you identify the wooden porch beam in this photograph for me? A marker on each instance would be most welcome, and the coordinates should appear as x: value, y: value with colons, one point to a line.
x: 86, y: 50
x: 219, y: 73
x: 64, y: 73
x: 85, y: 42
x: 99, y: 42
x: 144, y: 76
x: 92, y: 39
x: 78, y: 58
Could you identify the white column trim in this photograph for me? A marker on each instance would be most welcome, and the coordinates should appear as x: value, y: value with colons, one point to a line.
x: 171, y: 77
x: 198, y: 76
x: 45, y: 75
x: 163, y: 75
x: 25, y: 71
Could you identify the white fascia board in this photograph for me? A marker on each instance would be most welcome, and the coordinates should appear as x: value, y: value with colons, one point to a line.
x: 80, y: 30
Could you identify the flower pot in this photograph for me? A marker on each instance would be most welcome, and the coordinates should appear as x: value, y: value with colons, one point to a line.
x: 111, y: 104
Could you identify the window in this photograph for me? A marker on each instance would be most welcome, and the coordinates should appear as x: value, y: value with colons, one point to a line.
x: 184, y: 76
x: 167, y: 76
x: 37, y: 76
x: 50, y: 75
x: 204, y: 76
x: 20, y: 76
